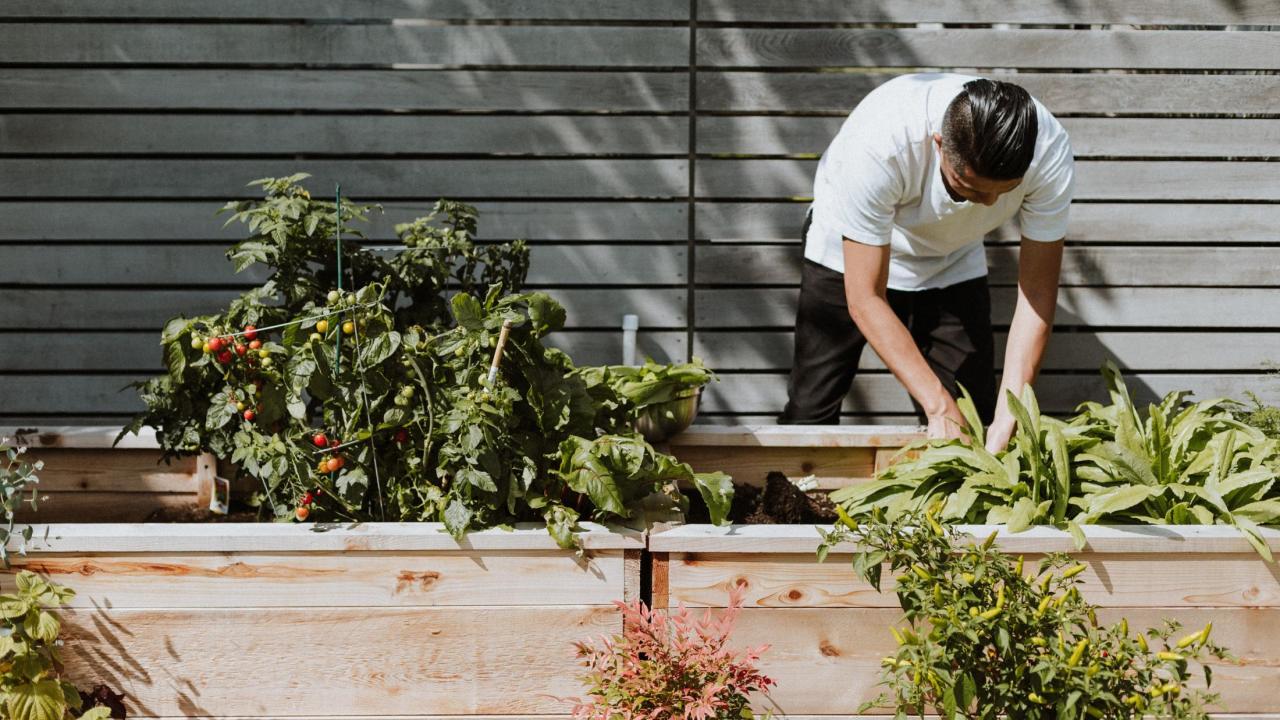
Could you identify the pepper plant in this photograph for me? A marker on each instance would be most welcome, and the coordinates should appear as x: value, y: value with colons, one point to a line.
x: 31, y: 687
x: 381, y: 404
x: 17, y: 476
x: 987, y: 636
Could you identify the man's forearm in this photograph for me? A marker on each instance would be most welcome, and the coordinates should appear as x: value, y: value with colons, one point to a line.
x: 893, y: 343
x: 1028, y: 336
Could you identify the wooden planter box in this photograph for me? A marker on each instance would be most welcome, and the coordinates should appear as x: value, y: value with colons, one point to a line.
x: 828, y: 630
x: 835, y: 456
x: 378, y: 619
x: 85, y: 479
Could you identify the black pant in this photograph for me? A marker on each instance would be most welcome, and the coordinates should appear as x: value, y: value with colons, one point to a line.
x: 951, y: 326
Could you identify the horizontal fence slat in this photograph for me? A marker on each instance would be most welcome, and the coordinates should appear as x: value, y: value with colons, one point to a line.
x: 1095, y: 180
x: 80, y: 221
x: 1058, y: 394
x: 1187, y: 12
x: 66, y: 264
x: 37, y: 351
x: 839, y: 92
x: 90, y: 133
x: 343, y: 90
x: 327, y: 44
x: 149, y: 309
x: 370, y: 178
x: 1009, y: 48
x: 353, y: 9
x: 1114, y: 307
x: 1089, y: 222
x: 1068, y: 350
x: 1082, y: 266
x: 1090, y: 137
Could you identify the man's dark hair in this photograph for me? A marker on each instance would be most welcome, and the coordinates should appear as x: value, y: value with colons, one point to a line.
x: 990, y: 129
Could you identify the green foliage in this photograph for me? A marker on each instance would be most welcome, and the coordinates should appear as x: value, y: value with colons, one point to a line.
x: 1177, y: 463
x: 1260, y: 415
x: 652, y: 383
x: 31, y: 687
x: 16, y: 477
x: 394, y: 382
x: 985, y: 639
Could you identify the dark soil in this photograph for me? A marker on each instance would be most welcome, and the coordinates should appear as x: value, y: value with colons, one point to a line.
x: 196, y: 514
x: 779, y: 502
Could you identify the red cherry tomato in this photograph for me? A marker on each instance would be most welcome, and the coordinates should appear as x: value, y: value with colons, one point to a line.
x: 301, y: 513
x: 250, y: 332
x: 308, y: 498
x: 225, y: 357
x: 320, y: 440
x: 249, y: 415
x: 216, y: 344
x: 255, y: 345
x: 241, y: 349
x: 333, y: 442
x: 402, y: 435
x: 335, y: 464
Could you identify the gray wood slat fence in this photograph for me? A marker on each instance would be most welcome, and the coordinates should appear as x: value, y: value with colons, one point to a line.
x: 658, y: 155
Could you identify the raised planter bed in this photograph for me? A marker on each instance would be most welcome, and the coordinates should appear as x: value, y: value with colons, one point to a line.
x: 834, y: 456
x: 273, y: 620
x: 85, y: 479
x: 828, y: 629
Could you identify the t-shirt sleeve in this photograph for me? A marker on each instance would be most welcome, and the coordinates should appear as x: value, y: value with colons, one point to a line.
x: 866, y: 189
x: 1045, y: 207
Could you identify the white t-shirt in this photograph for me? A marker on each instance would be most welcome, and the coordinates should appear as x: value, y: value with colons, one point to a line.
x: 880, y: 183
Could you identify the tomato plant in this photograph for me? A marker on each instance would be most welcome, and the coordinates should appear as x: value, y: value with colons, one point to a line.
x: 425, y: 434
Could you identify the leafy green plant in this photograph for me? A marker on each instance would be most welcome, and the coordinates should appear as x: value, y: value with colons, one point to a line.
x: 16, y: 477
x: 30, y: 682
x: 379, y: 405
x: 985, y: 639
x: 651, y: 383
x: 1178, y: 463
x: 670, y: 666
x: 1260, y: 415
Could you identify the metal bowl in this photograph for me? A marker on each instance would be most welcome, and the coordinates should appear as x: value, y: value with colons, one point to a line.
x: 662, y: 420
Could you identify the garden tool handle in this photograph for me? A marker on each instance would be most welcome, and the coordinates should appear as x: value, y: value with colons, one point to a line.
x: 497, y: 352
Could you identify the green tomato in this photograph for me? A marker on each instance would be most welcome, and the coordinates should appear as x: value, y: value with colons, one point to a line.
x: 196, y: 342
x: 316, y: 337
x: 407, y: 391
x: 266, y: 362
x: 334, y: 295
x: 461, y: 351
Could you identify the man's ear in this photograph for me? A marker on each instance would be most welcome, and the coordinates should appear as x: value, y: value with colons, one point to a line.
x: 937, y: 140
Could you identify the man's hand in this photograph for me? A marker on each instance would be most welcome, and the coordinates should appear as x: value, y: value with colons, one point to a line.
x: 1000, y: 432
x: 947, y: 424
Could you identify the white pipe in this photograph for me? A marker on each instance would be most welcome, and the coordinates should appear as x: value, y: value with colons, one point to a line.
x: 630, y: 324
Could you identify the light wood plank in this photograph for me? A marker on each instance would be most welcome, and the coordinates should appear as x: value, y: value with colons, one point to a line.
x: 343, y: 134
x: 149, y: 309
x: 1068, y: 350
x: 341, y: 45
x: 827, y: 661
x: 1058, y: 394
x: 458, y: 179
x: 567, y: 221
x: 1162, y: 223
x: 1010, y: 48
x: 105, y: 470
x: 304, y: 537
x: 1184, y: 308
x: 48, y: 438
x: 1090, y: 137
x: 830, y: 468
x: 355, y: 9
x: 207, y: 265
x: 138, y: 352
x: 1211, y: 12
x: 1081, y: 266
x: 1095, y: 180
x: 795, y: 436
x: 343, y: 90
x: 420, y: 660
x: 1060, y: 92
x: 1112, y: 580
x: 347, y: 580
x: 802, y: 540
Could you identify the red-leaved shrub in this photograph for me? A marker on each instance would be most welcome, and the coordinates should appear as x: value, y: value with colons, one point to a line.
x: 670, y: 666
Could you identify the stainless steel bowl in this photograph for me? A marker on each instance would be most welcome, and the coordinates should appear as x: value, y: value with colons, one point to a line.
x: 662, y: 420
